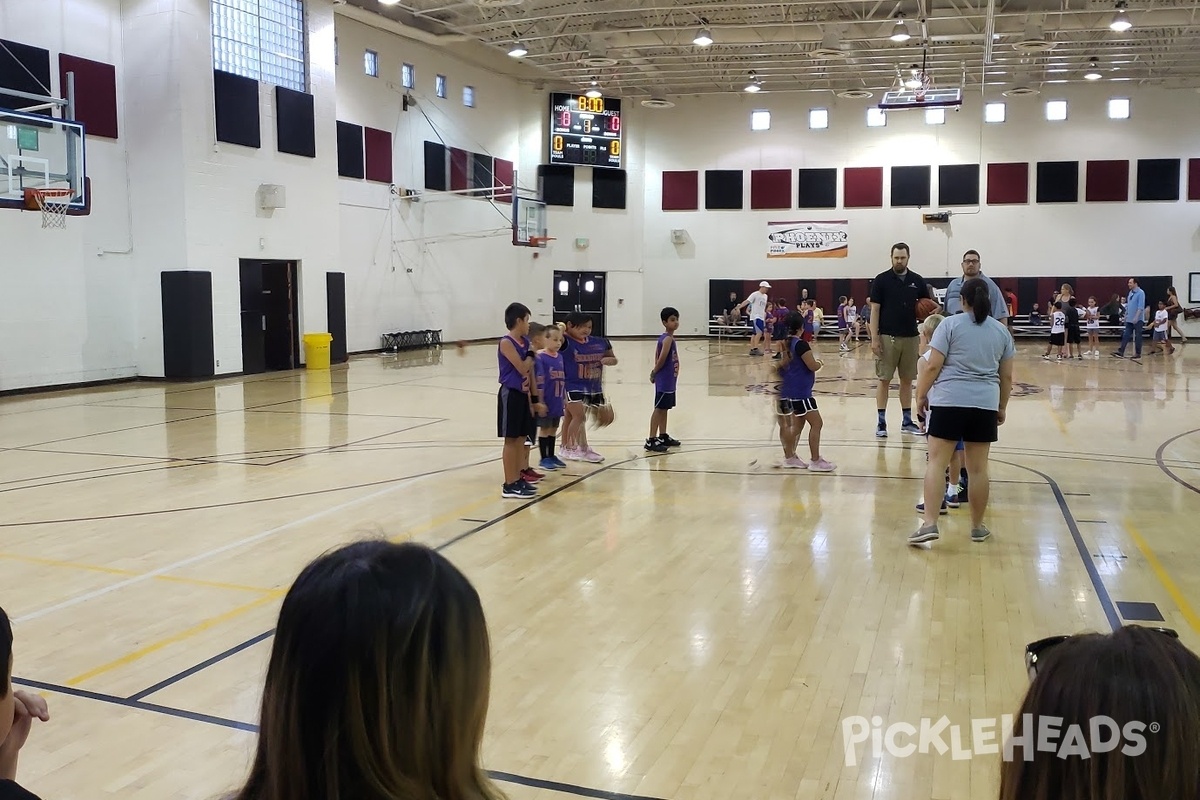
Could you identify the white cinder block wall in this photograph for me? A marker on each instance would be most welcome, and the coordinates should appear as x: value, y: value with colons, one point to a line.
x: 84, y: 304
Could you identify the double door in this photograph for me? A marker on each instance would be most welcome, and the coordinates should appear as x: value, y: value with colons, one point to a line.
x: 270, y: 316
x: 580, y: 292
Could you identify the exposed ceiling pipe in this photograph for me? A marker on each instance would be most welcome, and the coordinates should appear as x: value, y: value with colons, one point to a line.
x: 989, y: 31
x: 399, y: 28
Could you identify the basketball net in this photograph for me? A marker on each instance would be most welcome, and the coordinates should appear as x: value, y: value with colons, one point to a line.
x: 54, y: 204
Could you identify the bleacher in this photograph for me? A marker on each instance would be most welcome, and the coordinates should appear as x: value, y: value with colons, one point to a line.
x: 1021, y: 328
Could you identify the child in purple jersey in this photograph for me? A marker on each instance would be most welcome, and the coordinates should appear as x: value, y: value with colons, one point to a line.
x: 843, y: 325
x: 551, y: 383
x: 516, y: 403
x: 584, y: 358
x: 797, y: 406
x: 665, y: 377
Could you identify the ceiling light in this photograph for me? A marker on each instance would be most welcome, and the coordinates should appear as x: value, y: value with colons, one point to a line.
x: 518, y: 50
x: 755, y: 85
x: 703, y: 38
x: 594, y: 90
x: 900, y: 33
x: 389, y: 2
x: 1093, y: 73
x: 1120, y: 22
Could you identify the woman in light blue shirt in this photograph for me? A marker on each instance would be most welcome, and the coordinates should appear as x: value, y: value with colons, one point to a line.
x: 966, y: 389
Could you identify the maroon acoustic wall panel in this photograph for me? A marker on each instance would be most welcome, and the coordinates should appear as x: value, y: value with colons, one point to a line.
x: 1194, y: 179
x: 864, y: 187
x: 770, y: 188
x: 95, y: 93
x: 1107, y: 181
x: 378, y: 147
x: 459, y: 163
x: 503, y: 177
x: 1007, y: 183
x: 681, y: 191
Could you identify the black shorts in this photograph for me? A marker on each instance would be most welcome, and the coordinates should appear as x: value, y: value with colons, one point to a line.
x: 796, y: 407
x: 1073, y: 336
x: 664, y: 401
x: 589, y: 399
x: 514, y: 417
x: 1058, y: 339
x: 968, y: 424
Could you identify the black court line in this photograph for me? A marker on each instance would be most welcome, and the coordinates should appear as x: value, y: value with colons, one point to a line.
x: 1158, y: 459
x: 1092, y: 521
x: 202, y: 665
x: 1110, y: 610
x: 1077, y: 494
x: 565, y: 788
x: 468, y: 519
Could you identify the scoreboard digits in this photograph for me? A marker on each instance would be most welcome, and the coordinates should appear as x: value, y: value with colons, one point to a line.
x: 585, y: 130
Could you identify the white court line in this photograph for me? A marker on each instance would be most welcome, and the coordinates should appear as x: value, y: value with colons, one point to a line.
x: 258, y: 537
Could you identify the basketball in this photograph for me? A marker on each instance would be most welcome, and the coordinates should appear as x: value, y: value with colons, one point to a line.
x: 925, y: 307
x: 603, y: 416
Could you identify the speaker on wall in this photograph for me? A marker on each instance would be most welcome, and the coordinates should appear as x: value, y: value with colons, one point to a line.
x: 187, y: 321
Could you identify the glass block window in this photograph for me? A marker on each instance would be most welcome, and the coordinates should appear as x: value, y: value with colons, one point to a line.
x: 261, y: 39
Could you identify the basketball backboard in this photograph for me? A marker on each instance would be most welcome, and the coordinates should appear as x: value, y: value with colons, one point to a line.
x: 900, y: 99
x: 40, y: 152
x: 529, y: 222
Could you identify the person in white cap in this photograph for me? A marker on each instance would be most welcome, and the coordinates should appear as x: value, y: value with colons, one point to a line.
x: 758, y: 317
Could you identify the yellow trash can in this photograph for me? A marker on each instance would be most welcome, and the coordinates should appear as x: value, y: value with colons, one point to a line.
x: 316, y: 350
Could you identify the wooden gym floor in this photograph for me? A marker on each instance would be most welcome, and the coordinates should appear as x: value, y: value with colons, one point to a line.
x: 688, y: 626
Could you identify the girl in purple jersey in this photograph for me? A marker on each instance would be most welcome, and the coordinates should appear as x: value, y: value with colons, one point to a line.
x: 797, y: 406
x: 551, y: 384
x: 584, y: 358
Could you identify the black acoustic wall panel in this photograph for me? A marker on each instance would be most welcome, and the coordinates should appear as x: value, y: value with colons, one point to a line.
x: 295, y: 122
x: 236, y: 100
x: 556, y: 184
x: 335, y: 302
x: 350, y: 150
x: 1158, y: 179
x: 23, y: 68
x: 608, y: 188
x: 723, y: 189
x: 958, y: 185
x: 187, y: 322
x: 910, y: 186
x: 483, y: 169
x: 1058, y: 182
x: 437, y: 167
x: 818, y: 188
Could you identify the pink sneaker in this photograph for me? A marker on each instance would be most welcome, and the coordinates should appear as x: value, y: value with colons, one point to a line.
x: 795, y: 462
x: 591, y: 456
x: 570, y: 454
x: 821, y: 465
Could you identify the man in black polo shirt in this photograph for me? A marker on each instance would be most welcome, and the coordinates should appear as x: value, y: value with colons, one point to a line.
x: 894, y: 337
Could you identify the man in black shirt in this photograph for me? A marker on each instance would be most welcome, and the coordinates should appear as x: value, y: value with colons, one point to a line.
x: 894, y: 337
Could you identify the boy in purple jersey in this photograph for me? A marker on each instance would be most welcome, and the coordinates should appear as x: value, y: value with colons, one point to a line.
x: 535, y: 341
x: 797, y: 406
x: 515, y: 403
x: 665, y: 377
x: 584, y: 358
x: 551, y: 384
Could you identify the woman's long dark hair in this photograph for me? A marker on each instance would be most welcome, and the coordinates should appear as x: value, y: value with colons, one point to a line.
x: 1133, y: 675
x: 378, y: 682
x: 977, y: 297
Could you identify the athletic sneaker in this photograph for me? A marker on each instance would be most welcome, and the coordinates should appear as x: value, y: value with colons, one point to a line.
x: 911, y: 427
x: 531, y: 477
x: 821, y: 465
x: 591, y: 456
x: 942, y: 511
x: 925, y: 533
x: 980, y: 533
x: 558, y: 462
x: 570, y: 454
x: 549, y: 465
x: 517, y: 491
x: 795, y: 462
x: 951, y: 499
x: 668, y: 441
x: 881, y: 431
x: 655, y: 446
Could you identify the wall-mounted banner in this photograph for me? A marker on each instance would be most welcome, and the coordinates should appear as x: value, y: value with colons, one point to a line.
x: 824, y: 239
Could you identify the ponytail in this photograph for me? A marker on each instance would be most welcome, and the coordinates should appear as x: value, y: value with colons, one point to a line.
x: 977, y: 296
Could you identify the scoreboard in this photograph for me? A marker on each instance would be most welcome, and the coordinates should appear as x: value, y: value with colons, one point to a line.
x: 585, y: 131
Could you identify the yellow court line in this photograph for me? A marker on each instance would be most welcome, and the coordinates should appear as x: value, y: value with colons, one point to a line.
x: 1160, y: 572
x: 51, y: 562
x: 129, y: 658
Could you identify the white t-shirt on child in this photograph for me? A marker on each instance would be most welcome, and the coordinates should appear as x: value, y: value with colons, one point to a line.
x: 1160, y: 320
x: 1058, y: 322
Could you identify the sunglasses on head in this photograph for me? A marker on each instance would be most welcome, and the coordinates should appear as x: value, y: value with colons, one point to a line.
x: 1036, y: 651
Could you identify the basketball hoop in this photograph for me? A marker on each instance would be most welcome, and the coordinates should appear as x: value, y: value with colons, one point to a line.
x: 53, y: 204
x: 540, y: 241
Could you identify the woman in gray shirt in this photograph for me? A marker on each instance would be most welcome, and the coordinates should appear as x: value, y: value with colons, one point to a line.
x: 966, y: 389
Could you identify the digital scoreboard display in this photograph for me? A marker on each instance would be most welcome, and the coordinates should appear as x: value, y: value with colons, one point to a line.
x: 585, y: 131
